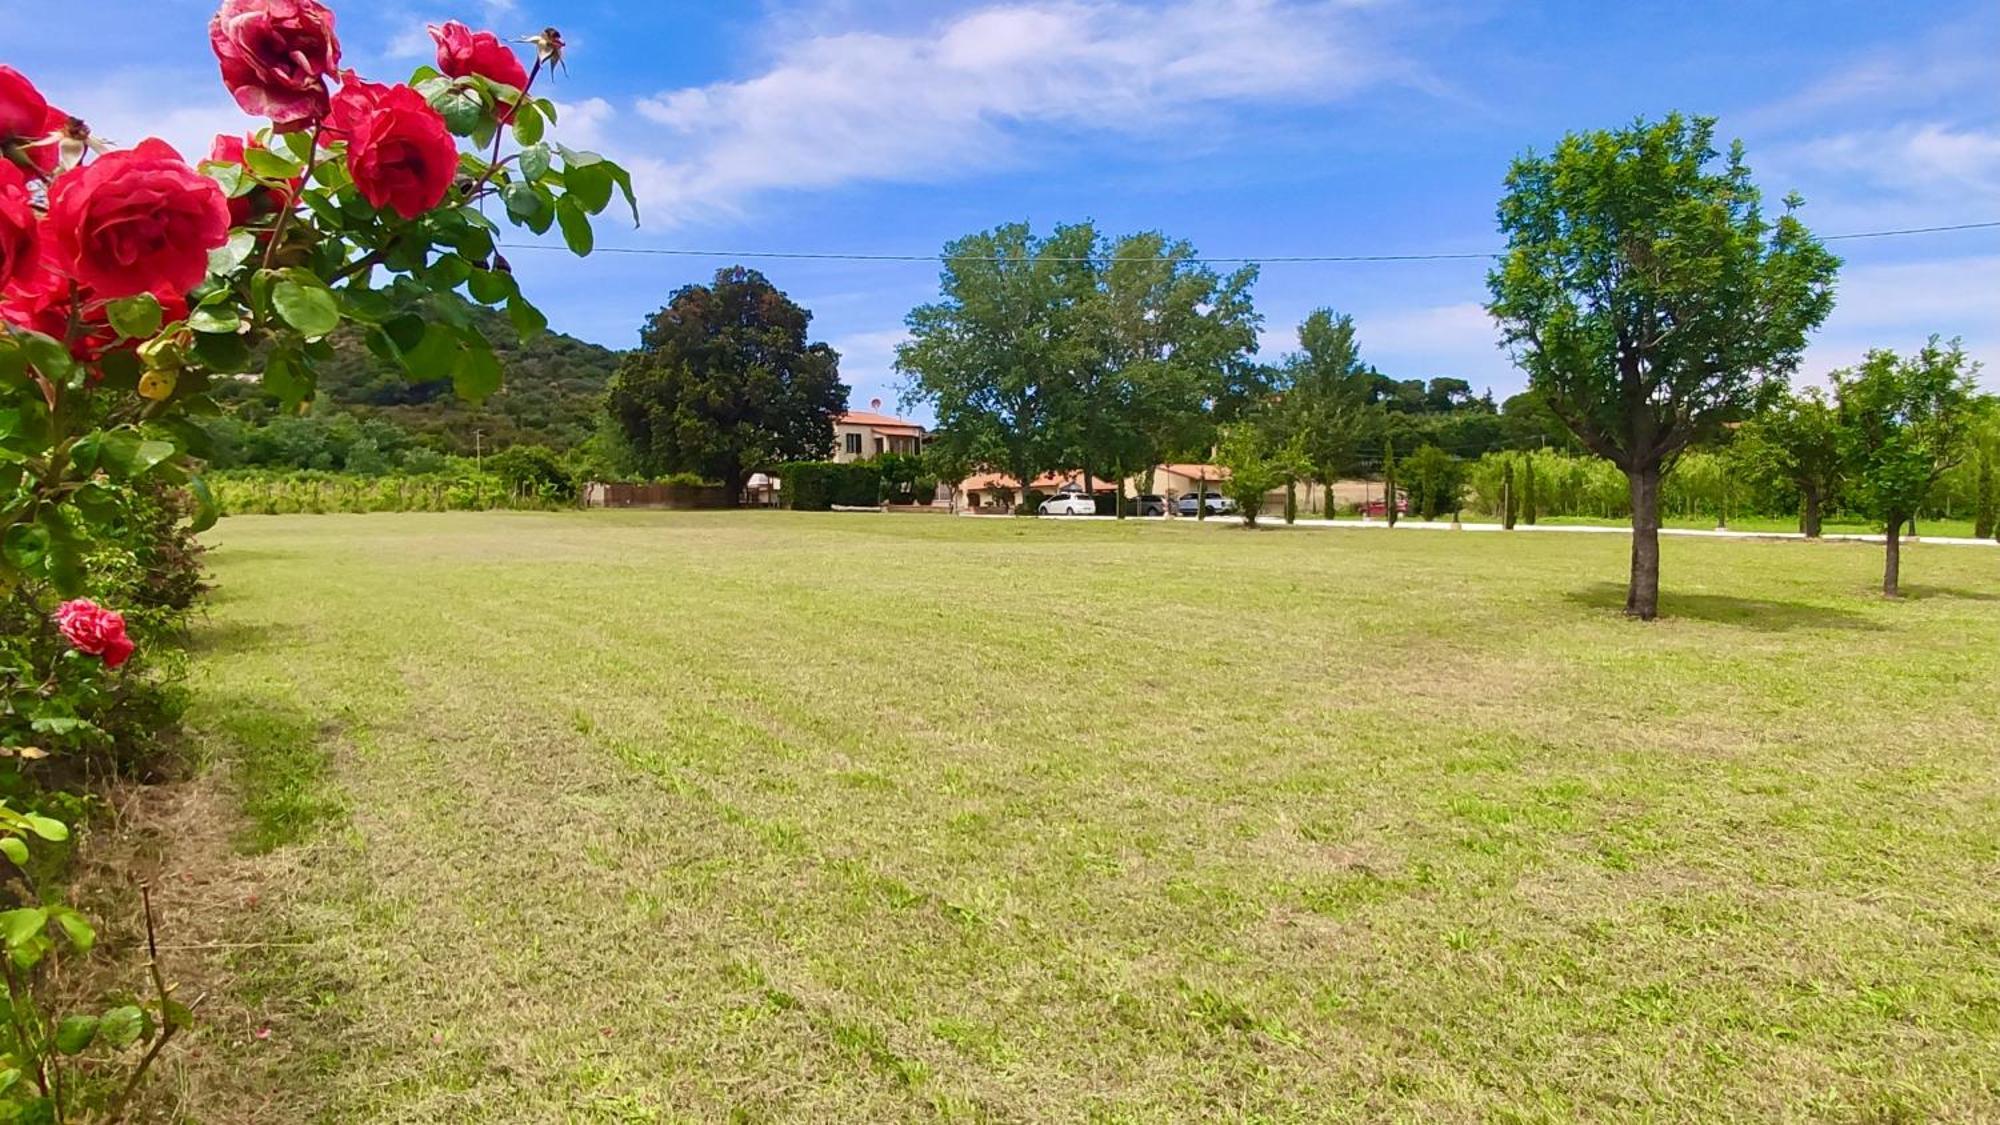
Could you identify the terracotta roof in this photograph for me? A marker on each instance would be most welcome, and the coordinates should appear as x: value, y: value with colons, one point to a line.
x: 1047, y: 482
x: 884, y: 422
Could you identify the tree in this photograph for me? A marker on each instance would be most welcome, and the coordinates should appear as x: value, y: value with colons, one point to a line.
x: 1437, y: 479
x: 1255, y: 467
x: 1510, y: 500
x: 1651, y: 301
x: 1325, y: 389
x: 1985, y: 521
x: 1531, y: 498
x: 1389, y: 481
x: 1797, y: 442
x: 1903, y: 424
x: 1167, y: 336
x: 725, y: 383
x: 996, y: 357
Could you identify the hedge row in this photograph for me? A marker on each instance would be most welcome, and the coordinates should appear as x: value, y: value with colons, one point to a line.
x: 818, y: 486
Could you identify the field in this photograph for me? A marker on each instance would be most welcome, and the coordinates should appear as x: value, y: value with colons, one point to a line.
x: 637, y: 816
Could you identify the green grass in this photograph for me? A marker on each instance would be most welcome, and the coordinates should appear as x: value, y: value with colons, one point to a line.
x: 634, y: 816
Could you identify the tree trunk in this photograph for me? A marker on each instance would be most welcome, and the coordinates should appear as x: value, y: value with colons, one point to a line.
x: 1642, y: 596
x: 1892, y: 566
x: 1291, y: 501
x: 1809, y: 514
x: 732, y: 484
x: 1201, y: 496
x: 1118, y: 497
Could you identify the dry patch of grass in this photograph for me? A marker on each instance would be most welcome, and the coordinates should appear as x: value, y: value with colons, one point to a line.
x: 631, y: 816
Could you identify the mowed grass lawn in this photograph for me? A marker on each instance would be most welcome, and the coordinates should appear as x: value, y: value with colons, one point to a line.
x: 643, y: 816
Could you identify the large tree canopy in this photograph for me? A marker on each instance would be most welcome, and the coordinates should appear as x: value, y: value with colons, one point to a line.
x: 1074, y: 351
x: 725, y: 383
x: 1651, y: 300
x: 996, y: 354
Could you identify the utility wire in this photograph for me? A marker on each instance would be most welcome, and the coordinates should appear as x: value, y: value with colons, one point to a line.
x: 1278, y: 259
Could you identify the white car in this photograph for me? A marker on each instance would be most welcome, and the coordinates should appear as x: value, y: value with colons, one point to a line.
x: 1068, y: 504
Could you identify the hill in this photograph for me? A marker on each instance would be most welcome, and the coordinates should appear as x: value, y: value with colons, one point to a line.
x: 553, y: 392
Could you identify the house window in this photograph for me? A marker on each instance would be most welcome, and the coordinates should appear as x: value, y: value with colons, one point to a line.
x: 854, y: 444
x: 878, y: 445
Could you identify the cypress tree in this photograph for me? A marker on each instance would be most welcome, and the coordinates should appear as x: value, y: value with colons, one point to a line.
x: 1510, y: 501
x: 1389, y: 479
x: 1985, y: 518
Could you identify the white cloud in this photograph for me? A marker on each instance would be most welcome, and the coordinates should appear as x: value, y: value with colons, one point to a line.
x: 952, y: 100
x: 1899, y: 305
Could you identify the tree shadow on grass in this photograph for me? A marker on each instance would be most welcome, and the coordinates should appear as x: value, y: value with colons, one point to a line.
x: 230, y: 638
x: 1761, y: 614
x: 277, y: 756
x: 1951, y: 593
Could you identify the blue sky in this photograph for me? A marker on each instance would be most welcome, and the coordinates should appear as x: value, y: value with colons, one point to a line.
x: 1251, y: 127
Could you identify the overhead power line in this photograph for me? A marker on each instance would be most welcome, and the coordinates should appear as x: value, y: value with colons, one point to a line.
x: 1268, y: 260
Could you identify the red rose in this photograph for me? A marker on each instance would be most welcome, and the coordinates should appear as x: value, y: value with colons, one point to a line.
x: 352, y: 105
x: 18, y: 238
x: 22, y: 107
x: 136, y: 221
x: 40, y: 299
x: 400, y: 155
x: 92, y: 629
x: 463, y: 51
x: 261, y: 200
x: 276, y: 56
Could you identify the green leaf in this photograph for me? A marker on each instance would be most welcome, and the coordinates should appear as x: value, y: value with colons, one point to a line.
x: 490, y: 287
x: 578, y: 158
x: 60, y: 724
x: 15, y: 849
x: 287, y: 379
x: 534, y: 162
x: 271, y: 165
x: 478, y: 372
x: 435, y: 356
x: 528, y: 124
x: 448, y: 272
x: 575, y: 226
x: 121, y: 1027
x: 77, y: 930
x: 216, y: 320
x: 224, y: 259
x: 228, y: 354
x: 25, y: 547
x: 48, y: 355
x: 151, y: 453
x: 17, y: 927
x: 177, y: 1014
x: 229, y: 176
x: 624, y: 180
x: 74, y: 1033
x: 461, y: 106
x: 528, y: 320
x: 308, y: 308
x: 206, y: 510
x: 589, y: 184
x: 299, y: 144
x: 48, y: 827
x: 529, y: 205
x: 136, y: 317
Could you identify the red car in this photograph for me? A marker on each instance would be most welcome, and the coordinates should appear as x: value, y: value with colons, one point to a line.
x: 1379, y: 509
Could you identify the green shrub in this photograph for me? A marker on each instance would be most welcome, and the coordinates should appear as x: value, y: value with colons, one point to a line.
x: 818, y: 486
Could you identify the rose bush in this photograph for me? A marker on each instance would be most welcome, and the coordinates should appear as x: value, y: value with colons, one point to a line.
x: 131, y: 282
